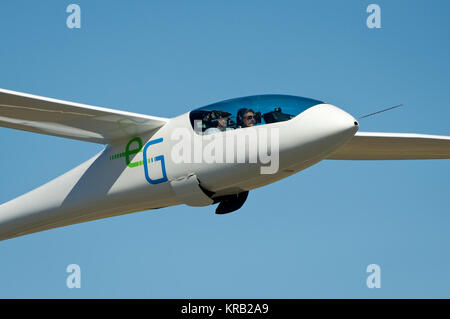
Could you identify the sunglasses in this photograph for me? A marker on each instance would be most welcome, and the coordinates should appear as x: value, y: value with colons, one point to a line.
x: 250, y: 117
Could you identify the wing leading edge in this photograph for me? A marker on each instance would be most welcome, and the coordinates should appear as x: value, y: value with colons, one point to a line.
x: 71, y: 120
x: 393, y: 146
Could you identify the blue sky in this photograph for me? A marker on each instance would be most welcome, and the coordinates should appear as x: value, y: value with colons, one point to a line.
x: 311, y: 235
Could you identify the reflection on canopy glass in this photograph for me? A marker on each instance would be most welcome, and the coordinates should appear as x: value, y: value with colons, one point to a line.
x: 248, y: 111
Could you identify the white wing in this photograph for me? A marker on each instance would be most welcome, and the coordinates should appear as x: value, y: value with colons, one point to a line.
x: 393, y: 146
x: 71, y: 120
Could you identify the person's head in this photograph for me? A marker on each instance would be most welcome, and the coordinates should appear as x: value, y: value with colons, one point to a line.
x: 218, y: 119
x: 245, y: 117
x: 222, y: 123
x: 248, y: 119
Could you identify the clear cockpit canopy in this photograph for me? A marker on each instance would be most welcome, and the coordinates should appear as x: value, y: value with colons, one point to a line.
x: 248, y: 111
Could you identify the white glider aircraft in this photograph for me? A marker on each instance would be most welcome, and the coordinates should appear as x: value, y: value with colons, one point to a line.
x: 144, y: 166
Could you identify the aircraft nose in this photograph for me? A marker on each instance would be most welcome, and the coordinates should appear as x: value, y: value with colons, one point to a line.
x: 335, y: 121
x: 330, y: 123
x: 341, y: 121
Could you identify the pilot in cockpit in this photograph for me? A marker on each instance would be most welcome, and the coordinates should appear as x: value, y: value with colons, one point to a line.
x: 246, y: 117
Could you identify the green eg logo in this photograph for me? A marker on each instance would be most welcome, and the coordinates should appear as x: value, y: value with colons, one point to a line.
x: 134, y: 146
x: 154, y: 167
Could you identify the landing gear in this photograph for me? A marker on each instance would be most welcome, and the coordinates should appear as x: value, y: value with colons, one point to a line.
x: 227, y: 203
x: 230, y: 203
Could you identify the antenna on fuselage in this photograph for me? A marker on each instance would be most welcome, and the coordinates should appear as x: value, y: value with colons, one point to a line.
x: 390, y: 108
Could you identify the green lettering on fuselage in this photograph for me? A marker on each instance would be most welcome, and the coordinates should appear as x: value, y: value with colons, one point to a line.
x: 130, y: 153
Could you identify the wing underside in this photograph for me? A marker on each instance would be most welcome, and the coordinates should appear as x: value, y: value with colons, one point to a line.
x: 393, y: 146
x: 71, y: 120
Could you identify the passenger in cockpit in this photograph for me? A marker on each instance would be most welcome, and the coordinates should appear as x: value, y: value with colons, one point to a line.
x: 246, y: 117
x: 218, y: 122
